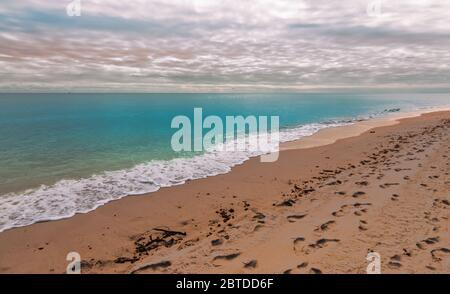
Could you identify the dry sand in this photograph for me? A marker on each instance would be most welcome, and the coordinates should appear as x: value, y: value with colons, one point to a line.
x: 383, y: 186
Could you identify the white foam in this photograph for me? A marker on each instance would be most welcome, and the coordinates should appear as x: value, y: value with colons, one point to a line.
x: 68, y: 197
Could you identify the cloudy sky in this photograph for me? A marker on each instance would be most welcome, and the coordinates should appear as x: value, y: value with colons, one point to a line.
x: 218, y: 45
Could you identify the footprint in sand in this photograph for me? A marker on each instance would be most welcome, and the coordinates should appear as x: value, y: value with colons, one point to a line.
x: 297, y: 241
x: 345, y: 209
x: 362, y: 183
x: 338, y: 213
x: 294, y: 218
x: 322, y: 242
x: 431, y: 240
x: 407, y: 252
x: 357, y: 204
x: 394, y: 265
x: 257, y: 228
x: 362, y: 225
x: 432, y: 268
x: 216, y: 242
x: 362, y: 228
x: 152, y: 266
x: 420, y: 246
x: 250, y: 264
x: 325, y: 226
x: 436, y: 254
x: 315, y: 271
x: 395, y: 197
x: 358, y: 194
x: 387, y: 185
x: 259, y: 216
x: 227, y: 256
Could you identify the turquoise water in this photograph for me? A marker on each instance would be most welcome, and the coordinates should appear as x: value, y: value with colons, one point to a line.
x: 57, y: 140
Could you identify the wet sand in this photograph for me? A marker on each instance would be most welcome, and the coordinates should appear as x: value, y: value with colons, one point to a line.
x: 383, y: 186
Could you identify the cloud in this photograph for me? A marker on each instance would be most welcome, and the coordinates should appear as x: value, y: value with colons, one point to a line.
x: 206, y: 45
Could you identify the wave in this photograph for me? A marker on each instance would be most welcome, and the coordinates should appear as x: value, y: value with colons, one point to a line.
x: 68, y: 197
x: 71, y: 196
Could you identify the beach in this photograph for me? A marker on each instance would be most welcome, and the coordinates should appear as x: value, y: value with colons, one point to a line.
x: 375, y: 186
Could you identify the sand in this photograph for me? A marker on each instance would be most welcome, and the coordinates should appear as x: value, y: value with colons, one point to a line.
x: 380, y: 186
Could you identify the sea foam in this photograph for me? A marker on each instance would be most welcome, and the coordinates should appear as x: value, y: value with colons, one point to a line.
x: 68, y: 197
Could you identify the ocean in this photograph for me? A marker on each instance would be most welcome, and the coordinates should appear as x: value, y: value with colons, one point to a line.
x: 62, y: 154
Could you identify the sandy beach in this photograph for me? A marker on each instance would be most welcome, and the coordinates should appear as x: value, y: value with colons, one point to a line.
x: 376, y: 186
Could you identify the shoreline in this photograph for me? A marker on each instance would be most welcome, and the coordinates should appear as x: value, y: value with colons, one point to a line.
x: 323, y: 136
x: 118, y: 220
x: 39, y: 194
x: 332, y: 134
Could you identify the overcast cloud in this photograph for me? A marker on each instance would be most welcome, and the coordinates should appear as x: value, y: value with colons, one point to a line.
x: 208, y: 45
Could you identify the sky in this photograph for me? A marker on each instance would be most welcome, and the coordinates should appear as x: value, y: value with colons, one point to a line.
x: 223, y: 46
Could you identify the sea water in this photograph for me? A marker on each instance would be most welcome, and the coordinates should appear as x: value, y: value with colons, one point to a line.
x: 62, y: 154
